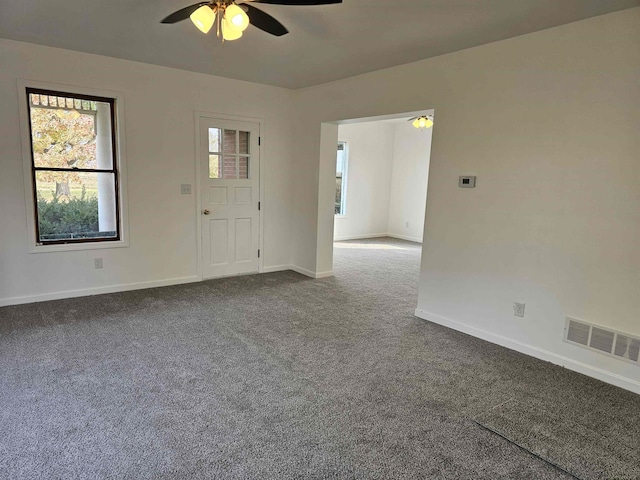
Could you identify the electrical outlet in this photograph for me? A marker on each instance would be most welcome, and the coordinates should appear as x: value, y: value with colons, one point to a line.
x: 97, y: 263
x: 185, y: 189
x: 518, y: 309
x: 406, y: 224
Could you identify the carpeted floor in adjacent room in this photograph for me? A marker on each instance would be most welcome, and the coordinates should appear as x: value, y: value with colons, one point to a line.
x: 272, y: 376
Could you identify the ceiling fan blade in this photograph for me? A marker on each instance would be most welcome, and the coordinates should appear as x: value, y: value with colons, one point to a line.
x: 264, y: 21
x: 298, y: 2
x: 183, y: 13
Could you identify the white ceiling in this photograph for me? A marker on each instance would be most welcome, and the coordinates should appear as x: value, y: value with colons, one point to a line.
x: 325, y: 43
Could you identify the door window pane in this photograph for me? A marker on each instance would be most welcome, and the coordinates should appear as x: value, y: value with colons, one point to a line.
x: 233, y: 162
x: 229, y: 168
x: 243, y: 142
x: 214, y: 141
x: 243, y: 168
x: 214, y: 166
x: 229, y: 141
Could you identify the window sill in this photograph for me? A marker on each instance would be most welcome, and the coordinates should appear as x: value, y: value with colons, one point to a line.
x: 70, y: 247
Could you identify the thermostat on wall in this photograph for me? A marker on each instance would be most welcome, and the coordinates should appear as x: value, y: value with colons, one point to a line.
x: 467, y: 182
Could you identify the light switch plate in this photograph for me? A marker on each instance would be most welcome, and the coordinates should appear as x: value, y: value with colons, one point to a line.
x: 185, y: 189
x: 467, y: 182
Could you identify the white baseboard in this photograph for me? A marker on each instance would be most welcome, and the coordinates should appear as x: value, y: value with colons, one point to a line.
x: 276, y: 268
x: 405, y: 237
x: 303, y: 271
x: 85, y: 292
x: 378, y: 235
x: 360, y: 237
x: 566, y: 362
x: 324, y: 274
x: 309, y: 273
x: 96, y: 291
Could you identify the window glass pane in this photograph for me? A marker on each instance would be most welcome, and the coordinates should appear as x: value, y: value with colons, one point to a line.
x: 214, y: 141
x: 229, y: 168
x: 76, y: 205
x: 230, y: 141
x: 70, y: 134
x: 243, y: 167
x: 338, y: 203
x: 67, y: 138
x: 340, y: 163
x: 243, y: 142
x: 341, y: 167
x: 214, y: 166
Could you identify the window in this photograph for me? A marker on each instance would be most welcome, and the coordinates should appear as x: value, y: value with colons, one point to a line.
x: 74, y: 169
x: 341, y: 179
x: 229, y: 155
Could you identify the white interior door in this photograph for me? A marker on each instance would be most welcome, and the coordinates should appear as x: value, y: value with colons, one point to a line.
x: 230, y: 194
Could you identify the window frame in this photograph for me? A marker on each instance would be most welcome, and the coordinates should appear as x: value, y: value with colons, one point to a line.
x: 222, y: 155
x: 116, y: 100
x: 343, y: 187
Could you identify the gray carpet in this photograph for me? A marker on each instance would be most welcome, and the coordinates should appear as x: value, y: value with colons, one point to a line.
x: 589, y: 444
x: 268, y: 377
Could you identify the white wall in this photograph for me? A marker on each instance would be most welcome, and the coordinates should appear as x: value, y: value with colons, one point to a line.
x: 370, y: 149
x: 408, y: 189
x: 548, y: 123
x: 387, y: 180
x: 160, y: 142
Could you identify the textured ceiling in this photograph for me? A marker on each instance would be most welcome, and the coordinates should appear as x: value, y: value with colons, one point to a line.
x: 325, y: 43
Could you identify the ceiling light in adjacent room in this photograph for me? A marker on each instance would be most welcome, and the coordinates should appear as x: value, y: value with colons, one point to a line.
x: 423, y: 121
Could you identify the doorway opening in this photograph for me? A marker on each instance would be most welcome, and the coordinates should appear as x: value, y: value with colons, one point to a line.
x: 382, y: 172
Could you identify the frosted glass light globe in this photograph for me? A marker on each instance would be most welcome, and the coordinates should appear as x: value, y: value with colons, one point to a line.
x: 203, y: 18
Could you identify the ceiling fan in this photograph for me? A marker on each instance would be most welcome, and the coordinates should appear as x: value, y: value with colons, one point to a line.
x: 232, y: 18
x: 423, y: 121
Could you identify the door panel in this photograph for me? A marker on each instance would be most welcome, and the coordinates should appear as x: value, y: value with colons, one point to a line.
x: 243, y: 236
x: 217, y: 195
x: 230, y: 182
x: 243, y: 195
x: 219, y: 233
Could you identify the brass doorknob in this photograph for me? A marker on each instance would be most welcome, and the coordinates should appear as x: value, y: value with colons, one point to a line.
x: 206, y: 212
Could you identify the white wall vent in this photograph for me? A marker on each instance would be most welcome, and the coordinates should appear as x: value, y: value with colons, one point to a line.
x: 610, y: 342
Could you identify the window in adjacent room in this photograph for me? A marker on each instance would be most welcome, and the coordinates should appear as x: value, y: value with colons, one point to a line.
x: 74, y: 169
x: 341, y: 179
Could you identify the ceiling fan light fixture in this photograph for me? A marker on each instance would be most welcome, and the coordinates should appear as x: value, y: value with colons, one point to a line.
x: 230, y: 19
x: 422, y: 122
x: 229, y: 31
x: 203, y: 18
x: 236, y: 17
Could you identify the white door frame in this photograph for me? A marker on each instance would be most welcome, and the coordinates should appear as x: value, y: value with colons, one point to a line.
x: 236, y: 118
